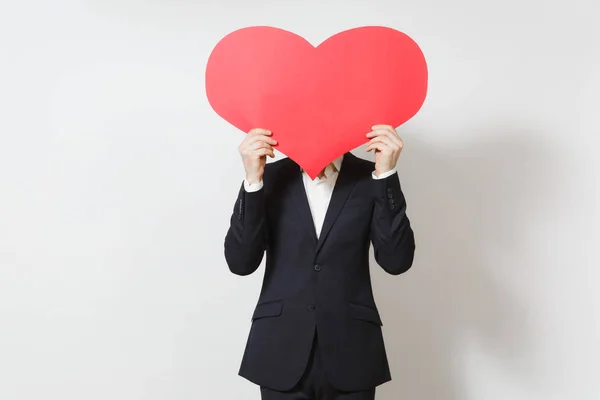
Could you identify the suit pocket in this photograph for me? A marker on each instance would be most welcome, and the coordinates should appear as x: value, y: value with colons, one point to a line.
x: 365, y: 313
x: 268, y: 309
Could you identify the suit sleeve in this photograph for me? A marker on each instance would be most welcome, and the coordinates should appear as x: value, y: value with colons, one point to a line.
x: 392, y: 237
x: 245, y: 241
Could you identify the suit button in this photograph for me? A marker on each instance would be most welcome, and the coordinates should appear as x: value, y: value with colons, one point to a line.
x: 318, y: 267
x: 389, y: 190
x: 390, y: 195
x: 311, y: 307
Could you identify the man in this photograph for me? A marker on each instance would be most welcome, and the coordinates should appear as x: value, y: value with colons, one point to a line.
x: 316, y: 332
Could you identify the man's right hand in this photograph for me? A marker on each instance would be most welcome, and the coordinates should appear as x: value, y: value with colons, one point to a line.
x: 254, y: 150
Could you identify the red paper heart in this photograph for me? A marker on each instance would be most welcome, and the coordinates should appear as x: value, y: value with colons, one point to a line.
x: 318, y: 102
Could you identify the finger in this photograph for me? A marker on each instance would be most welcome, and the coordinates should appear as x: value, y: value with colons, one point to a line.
x: 386, y: 133
x: 385, y: 140
x: 388, y: 141
x: 387, y: 145
x: 382, y: 147
x: 259, y: 131
x: 387, y: 128
x: 260, y: 138
x: 381, y: 131
x: 383, y: 126
x: 378, y: 132
x: 265, y: 152
x: 376, y: 146
x: 259, y: 145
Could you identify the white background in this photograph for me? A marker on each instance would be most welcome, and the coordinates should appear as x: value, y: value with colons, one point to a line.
x: 117, y: 181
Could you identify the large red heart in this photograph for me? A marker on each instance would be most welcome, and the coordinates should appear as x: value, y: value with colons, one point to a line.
x: 318, y: 102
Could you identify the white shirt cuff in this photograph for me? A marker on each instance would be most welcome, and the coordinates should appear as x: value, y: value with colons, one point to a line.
x: 254, y: 187
x: 385, y: 174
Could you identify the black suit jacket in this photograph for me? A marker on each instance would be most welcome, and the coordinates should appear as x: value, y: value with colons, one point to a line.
x: 323, y: 283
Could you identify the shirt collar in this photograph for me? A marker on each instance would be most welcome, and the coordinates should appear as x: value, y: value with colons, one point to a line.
x: 337, y: 163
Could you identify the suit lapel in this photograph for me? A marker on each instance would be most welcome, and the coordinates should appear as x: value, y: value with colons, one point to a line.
x: 343, y: 186
x: 298, y: 194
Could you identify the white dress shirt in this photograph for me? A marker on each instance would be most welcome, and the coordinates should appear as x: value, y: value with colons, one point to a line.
x: 319, y: 190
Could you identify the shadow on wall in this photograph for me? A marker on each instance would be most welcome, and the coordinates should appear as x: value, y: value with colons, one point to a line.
x: 467, y: 205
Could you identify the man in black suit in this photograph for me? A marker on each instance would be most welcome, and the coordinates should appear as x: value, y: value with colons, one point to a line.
x: 316, y: 332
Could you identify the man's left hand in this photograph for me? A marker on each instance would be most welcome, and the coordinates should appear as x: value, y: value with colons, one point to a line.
x: 387, y: 145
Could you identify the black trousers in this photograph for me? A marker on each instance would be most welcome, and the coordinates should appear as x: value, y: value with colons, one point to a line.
x: 314, y: 386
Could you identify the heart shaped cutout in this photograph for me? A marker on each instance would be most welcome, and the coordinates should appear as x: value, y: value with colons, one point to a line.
x: 319, y: 102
